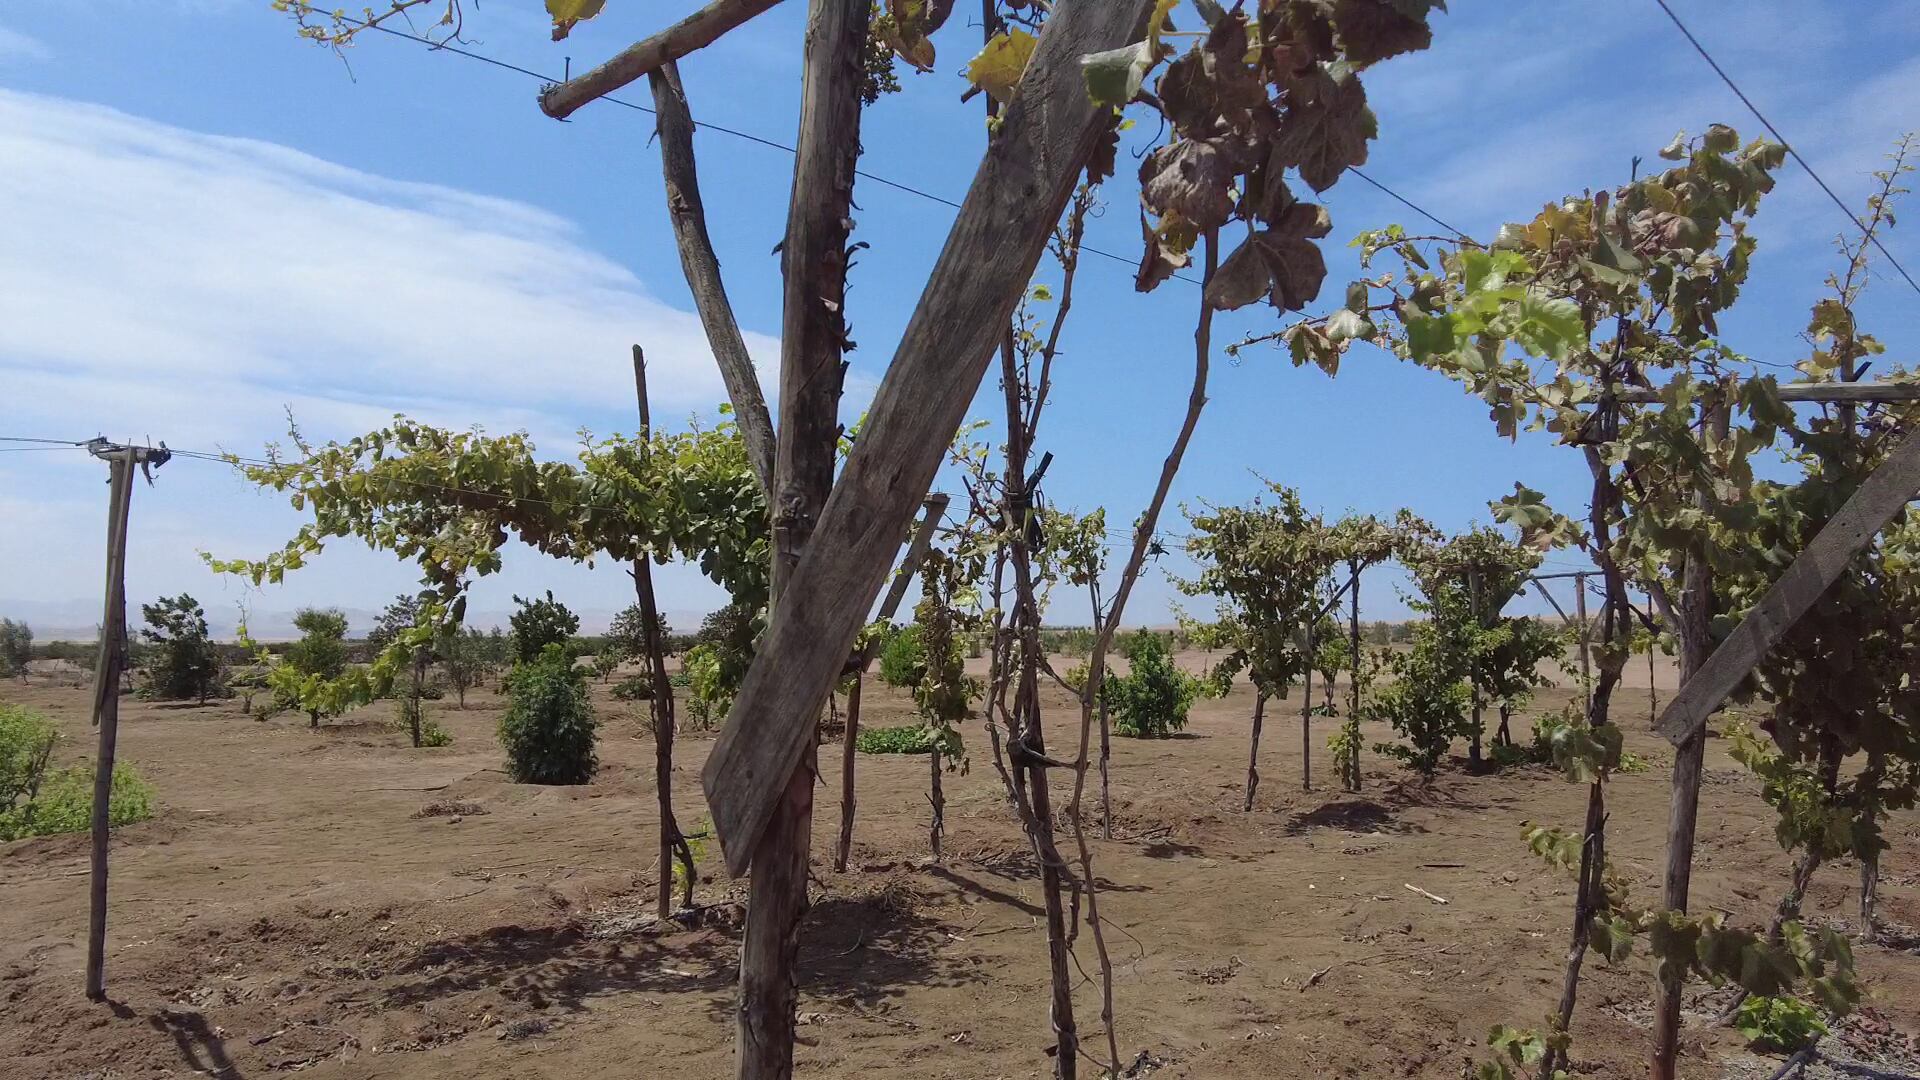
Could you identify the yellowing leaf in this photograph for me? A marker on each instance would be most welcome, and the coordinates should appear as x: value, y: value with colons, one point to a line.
x: 567, y: 12
x: 998, y: 68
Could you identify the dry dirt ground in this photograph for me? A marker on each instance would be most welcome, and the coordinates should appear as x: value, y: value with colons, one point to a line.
x: 339, y: 904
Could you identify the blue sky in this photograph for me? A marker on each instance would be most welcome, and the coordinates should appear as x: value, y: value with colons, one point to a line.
x: 208, y: 221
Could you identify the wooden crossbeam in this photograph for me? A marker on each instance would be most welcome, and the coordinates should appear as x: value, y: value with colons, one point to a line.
x: 636, y: 61
x: 1858, y: 392
x: 1024, y: 181
x: 1878, y: 500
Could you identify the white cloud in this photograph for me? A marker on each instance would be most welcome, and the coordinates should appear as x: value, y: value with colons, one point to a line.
x: 16, y: 46
x: 166, y: 282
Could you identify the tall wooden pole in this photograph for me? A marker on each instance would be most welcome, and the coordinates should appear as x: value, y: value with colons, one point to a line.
x: 1580, y: 614
x: 1306, y: 715
x: 106, y: 710
x: 1689, y: 758
x: 661, y: 705
x: 813, y: 264
x: 1353, y: 659
x: 1473, y: 677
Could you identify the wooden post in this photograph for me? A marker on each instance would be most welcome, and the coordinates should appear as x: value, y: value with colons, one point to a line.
x: 106, y: 710
x: 1473, y: 673
x: 813, y: 264
x: 848, y: 754
x: 1353, y: 646
x: 896, y: 592
x: 1028, y: 174
x: 672, y: 844
x: 1306, y: 714
x: 1253, y: 750
x: 1586, y: 674
x: 1689, y: 758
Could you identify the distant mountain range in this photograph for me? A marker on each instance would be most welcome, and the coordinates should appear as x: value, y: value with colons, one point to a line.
x: 76, y: 620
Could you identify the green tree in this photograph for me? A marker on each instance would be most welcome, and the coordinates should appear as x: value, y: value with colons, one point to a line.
x: 903, y: 659
x: 16, y: 648
x: 467, y: 656
x: 1151, y: 700
x: 541, y: 622
x: 313, y: 665
x: 183, y: 664
x: 548, y: 729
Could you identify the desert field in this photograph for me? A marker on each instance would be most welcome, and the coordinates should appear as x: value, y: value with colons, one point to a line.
x: 337, y: 904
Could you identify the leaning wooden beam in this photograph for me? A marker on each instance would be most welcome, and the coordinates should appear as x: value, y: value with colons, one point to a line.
x: 1877, y: 501
x: 1860, y: 391
x: 691, y: 34
x: 1017, y: 195
x: 674, y: 123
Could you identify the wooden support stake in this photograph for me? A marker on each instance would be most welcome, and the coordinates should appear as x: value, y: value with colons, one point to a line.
x: 691, y: 34
x: 909, y: 566
x: 1353, y: 648
x: 1878, y: 500
x: 813, y: 264
x: 1023, y: 184
x: 106, y: 710
x: 672, y: 845
x: 1586, y: 673
x: 1306, y: 714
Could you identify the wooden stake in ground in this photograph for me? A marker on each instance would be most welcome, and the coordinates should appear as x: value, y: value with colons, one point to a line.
x: 106, y: 706
x: 849, y: 750
x: 1306, y: 713
x: 673, y: 845
x: 813, y: 262
x: 1353, y: 660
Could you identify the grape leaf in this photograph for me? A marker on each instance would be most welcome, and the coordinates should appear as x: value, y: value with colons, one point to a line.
x: 998, y: 67
x: 1190, y: 178
x: 1326, y: 126
x: 1373, y: 30
x: 568, y: 12
x: 1113, y: 77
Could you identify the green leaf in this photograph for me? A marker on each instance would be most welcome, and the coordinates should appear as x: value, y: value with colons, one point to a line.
x: 1347, y: 324
x: 1549, y: 326
x: 1113, y: 77
x: 1430, y: 336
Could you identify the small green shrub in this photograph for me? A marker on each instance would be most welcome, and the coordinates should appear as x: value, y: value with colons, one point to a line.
x: 1152, y: 699
x: 707, y: 696
x: 1784, y: 1024
x: 905, y: 739
x: 548, y: 727
x: 903, y: 659
x: 432, y: 734
x: 37, y: 800
x: 634, y: 688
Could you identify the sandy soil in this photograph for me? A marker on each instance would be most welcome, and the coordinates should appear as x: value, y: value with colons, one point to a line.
x: 338, y: 904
